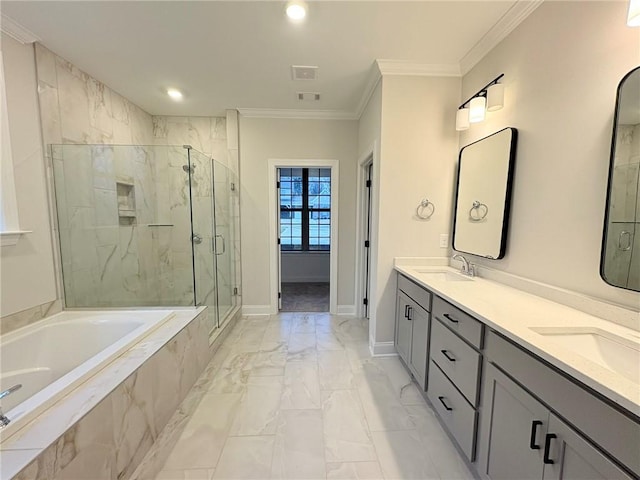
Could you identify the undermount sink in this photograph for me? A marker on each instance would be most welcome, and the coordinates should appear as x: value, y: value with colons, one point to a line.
x: 444, y: 275
x: 615, y: 353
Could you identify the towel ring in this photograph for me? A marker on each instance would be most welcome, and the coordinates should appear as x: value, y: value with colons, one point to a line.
x: 425, y: 210
x: 478, y: 211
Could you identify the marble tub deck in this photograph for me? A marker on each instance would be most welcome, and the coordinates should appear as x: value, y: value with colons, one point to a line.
x: 298, y: 396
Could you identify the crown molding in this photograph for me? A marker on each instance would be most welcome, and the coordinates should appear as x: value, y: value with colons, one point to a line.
x: 290, y: 113
x: 16, y: 31
x: 503, y: 27
x: 400, y: 67
x: 372, y: 82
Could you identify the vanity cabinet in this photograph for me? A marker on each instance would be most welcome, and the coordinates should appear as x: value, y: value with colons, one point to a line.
x: 413, y: 304
x: 525, y: 432
x: 454, y: 371
x: 523, y: 439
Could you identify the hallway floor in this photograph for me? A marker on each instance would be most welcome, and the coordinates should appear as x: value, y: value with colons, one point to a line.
x: 305, y: 297
x: 298, y: 396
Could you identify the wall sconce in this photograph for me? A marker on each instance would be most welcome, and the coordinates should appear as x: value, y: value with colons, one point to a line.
x: 489, y: 98
x: 633, y: 17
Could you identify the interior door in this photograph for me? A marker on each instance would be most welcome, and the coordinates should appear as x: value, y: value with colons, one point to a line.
x: 367, y: 241
x: 278, y: 246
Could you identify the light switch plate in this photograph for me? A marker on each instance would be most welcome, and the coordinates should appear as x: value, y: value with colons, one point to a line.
x: 444, y: 240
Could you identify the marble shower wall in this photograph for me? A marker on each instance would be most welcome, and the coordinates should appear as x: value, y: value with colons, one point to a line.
x: 78, y: 109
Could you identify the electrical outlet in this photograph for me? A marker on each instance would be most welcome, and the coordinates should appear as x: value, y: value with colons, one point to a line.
x: 444, y: 240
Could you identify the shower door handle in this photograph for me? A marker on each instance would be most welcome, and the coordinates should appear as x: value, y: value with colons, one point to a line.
x: 224, y: 245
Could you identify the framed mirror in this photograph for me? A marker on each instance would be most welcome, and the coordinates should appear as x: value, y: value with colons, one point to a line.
x: 620, y: 259
x: 483, y: 195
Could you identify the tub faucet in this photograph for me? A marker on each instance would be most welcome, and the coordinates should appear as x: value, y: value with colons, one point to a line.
x: 4, y: 421
x: 467, y: 268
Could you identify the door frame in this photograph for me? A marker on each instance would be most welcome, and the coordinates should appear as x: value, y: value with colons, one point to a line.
x: 274, y: 250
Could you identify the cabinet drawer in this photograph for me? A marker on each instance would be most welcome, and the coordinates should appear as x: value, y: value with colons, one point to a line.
x: 454, y: 410
x: 421, y: 296
x: 465, y: 325
x: 457, y: 360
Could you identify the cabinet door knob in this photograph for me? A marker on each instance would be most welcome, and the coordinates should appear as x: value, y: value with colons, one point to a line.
x: 534, y: 433
x: 450, y: 318
x: 446, y: 354
x: 547, y: 447
x: 446, y: 407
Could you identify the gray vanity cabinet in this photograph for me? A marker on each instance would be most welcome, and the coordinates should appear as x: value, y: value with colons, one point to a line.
x: 413, y: 304
x: 522, y: 439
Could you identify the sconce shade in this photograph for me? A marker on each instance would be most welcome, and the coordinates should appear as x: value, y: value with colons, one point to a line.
x: 477, y: 109
x: 633, y: 17
x: 462, y: 119
x: 495, y: 97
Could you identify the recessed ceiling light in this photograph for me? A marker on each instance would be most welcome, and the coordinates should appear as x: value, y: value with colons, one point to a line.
x: 174, y: 93
x: 296, y: 10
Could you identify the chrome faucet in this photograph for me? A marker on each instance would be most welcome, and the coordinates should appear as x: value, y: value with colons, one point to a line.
x: 4, y: 421
x: 467, y: 268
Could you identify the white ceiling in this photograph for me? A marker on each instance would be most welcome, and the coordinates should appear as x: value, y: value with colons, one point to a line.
x: 238, y: 54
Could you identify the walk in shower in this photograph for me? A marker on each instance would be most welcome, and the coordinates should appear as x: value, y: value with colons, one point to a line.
x: 144, y: 226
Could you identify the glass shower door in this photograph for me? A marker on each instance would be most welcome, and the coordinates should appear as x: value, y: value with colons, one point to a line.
x: 203, y: 237
x: 224, y: 188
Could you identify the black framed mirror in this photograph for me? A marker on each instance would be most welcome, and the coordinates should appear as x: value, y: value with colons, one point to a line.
x: 483, y: 194
x: 620, y: 257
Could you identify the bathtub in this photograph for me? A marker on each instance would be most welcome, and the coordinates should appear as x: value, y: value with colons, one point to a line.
x: 55, y: 355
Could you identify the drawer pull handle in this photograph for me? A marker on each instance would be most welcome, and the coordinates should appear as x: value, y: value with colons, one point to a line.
x: 446, y: 354
x: 406, y: 311
x: 447, y: 407
x: 450, y: 318
x: 547, y: 447
x: 534, y: 433
x: 410, y: 310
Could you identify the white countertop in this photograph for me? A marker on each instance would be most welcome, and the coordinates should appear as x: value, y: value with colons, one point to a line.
x: 512, y: 312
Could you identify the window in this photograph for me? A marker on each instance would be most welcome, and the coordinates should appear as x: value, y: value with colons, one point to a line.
x: 305, y: 209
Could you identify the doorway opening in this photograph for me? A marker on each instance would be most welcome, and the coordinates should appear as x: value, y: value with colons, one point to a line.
x: 304, y: 253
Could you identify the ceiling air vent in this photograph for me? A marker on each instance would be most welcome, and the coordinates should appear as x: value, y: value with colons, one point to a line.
x: 301, y: 72
x: 309, y: 96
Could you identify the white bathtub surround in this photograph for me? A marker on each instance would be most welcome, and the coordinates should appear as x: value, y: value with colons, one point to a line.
x: 8, y: 323
x: 318, y: 432
x: 51, y: 357
x: 133, y: 397
x: 513, y: 312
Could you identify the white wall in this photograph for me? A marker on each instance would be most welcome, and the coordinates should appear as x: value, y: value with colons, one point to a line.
x: 27, y: 271
x: 302, y: 267
x: 562, y: 66
x: 418, y: 152
x: 262, y: 139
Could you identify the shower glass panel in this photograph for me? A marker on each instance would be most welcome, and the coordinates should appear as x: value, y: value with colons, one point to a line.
x: 203, y: 236
x: 142, y: 226
x: 225, y: 193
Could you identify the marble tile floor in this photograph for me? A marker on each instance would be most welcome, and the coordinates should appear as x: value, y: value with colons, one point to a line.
x: 298, y: 396
x: 305, y: 297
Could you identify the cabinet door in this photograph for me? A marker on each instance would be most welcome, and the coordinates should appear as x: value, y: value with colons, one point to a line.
x: 419, y: 342
x: 403, y: 327
x: 514, y: 426
x: 574, y: 458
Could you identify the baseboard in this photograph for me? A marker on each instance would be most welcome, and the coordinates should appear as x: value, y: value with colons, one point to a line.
x: 258, y: 310
x: 309, y: 279
x: 382, y: 349
x: 348, y: 310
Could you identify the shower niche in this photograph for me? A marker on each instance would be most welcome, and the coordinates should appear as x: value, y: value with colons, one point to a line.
x: 145, y: 226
